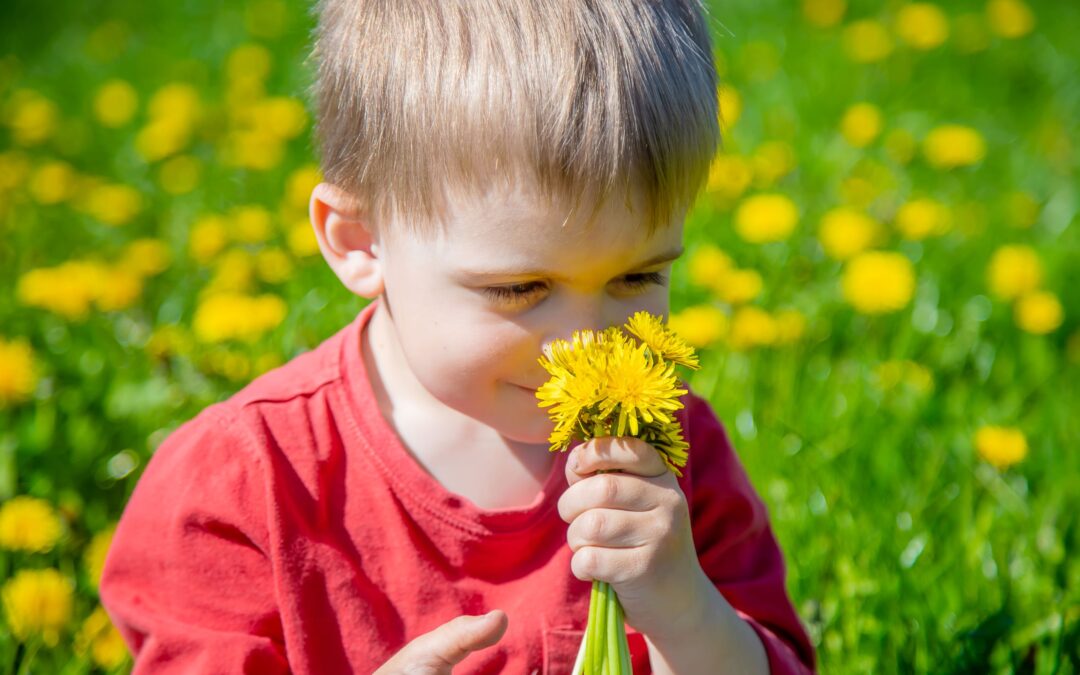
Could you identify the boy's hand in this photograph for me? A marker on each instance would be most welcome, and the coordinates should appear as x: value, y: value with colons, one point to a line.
x: 437, y: 652
x: 631, y: 528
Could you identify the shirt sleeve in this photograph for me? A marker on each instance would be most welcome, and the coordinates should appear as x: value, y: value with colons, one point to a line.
x: 188, y: 581
x: 735, y: 543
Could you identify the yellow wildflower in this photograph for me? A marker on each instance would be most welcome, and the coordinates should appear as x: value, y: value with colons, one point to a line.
x: 1001, y: 446
x: 765, y: 218
x: 662, y: 342
x: 100, y: 638
x: 1038, y: 312
x: 846, y: 231
x: 146, y: 257
x: 280, y: 117
x: 113, y: 204
x: 68, y: 289
x: 1014, y: 271
x: 861, y: 124
x: 790, y: 326
x: 232, y: 316
x: 302, y: 240
x: 643, y: 389
x: 752, y: 327
x: 878, y: 282
x: 922, y: 25
x: 233, y: 271
x: 38, y: 602
x: 249, y: 60
x: 273, y: 266
x: 772, y: 160
x: 952, y: 145
x: 739, y: 286
x: 32, y: 117
x: 29, y: 524
x: 299, y: 186
x: 208, y: 237
x: 699, y: 325
x: 824, y: 13
x: 94, y: 555
x: 921, y: 218
x: 18, y: 373
x: 707, y: 264
x: 730, y: 104
x: 163, y: 137
x: 52, y: 182
x: 180, y: 175
x: 729, y: 176
x: 250, y: 224
x: 115, y: 103
x: 1009, y: 18
x: 117, y: 289
x: 177, y: 100
x: 867, y: 41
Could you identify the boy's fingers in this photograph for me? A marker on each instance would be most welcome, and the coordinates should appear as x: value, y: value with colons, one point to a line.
x: 437, y: 652
x: 611, y: 453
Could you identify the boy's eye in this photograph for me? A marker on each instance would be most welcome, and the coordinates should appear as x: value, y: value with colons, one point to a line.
x: 520, y: 293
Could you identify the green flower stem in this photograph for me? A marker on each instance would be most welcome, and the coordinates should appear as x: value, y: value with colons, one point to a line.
x: 614, y: 624
x: 599, y: 630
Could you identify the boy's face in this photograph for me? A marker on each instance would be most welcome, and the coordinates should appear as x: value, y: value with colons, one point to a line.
x: 474, y: 305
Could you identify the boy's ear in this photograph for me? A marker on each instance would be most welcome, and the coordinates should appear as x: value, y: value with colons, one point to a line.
x: 347, y: 238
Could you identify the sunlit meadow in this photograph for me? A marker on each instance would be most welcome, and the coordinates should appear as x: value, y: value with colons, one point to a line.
x: 882, y: 280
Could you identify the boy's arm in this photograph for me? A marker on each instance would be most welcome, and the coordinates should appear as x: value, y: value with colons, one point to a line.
x: 187, y: 580
x: 736, y: 548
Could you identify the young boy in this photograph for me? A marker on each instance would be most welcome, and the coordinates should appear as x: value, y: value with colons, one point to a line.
x: 499, y: 174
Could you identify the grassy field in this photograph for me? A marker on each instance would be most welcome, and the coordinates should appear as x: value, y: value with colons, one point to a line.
x: 883, y: 277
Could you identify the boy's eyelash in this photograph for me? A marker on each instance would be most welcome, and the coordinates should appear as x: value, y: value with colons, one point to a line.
x: 523, y: 291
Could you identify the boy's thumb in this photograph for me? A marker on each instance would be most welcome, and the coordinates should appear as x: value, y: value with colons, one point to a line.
x: 450, y: 643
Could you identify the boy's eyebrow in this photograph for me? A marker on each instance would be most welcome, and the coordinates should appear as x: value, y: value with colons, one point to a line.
x: 664, y: 257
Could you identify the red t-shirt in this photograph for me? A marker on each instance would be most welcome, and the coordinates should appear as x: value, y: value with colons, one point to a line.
x: 287, y: 529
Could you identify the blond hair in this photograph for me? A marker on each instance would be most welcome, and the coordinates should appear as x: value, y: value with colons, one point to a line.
x: 582, y: 97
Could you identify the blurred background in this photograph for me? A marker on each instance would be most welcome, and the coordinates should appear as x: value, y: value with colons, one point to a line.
x: 883, y: 275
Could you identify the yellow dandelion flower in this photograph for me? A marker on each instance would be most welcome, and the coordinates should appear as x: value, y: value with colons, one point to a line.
x: 180, y: 175
x: 273, y: 266
x: 209, y: 236
x: 113, y: 204
x: 100, y: 639
x: 299, y: 186
x: 115, y: 103
x: 38, y: 602
x: 739, y: 286
x: 772, y: 161
x: 52, y: 183
x: 730, y: 106
x: 953, y: 145
x: 921, y: 218
x: 146, y: 257
x: 790, y: 326
x: 163, y: 137
x: 845, y: 232
x: 118, y: 289
x: 867, y: 41
x: 33, y: 118
x: 177, y: 100
x: 667, y: 438
x: 661, y: 341
x: 18, y: 373
x: 168, y: 340
x: 94, y: 555
x: 752, y: 327
x: 878, y: 282
x: 861, y: 124
x: 68, y: 289
x: 765, y: 218
x: 729, y: 176
x: 824, y: 13
x: 29, y: 524
x: 234, y: 271
x: 1001, y: 446
x: 302, y: 240
x: 700, y: 325
x: 280, y: 117
x: 233, y: 316
x: 707, y: 265
x: 250, y: 224
x: 1014, y: 270
x: 249, y: 60
x: 641, y: 388
x: 1038, y: 312
x: 1009, y: 19
x: 922, y: 25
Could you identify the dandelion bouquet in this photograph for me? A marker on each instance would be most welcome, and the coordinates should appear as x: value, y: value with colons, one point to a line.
x: 606, y: 383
